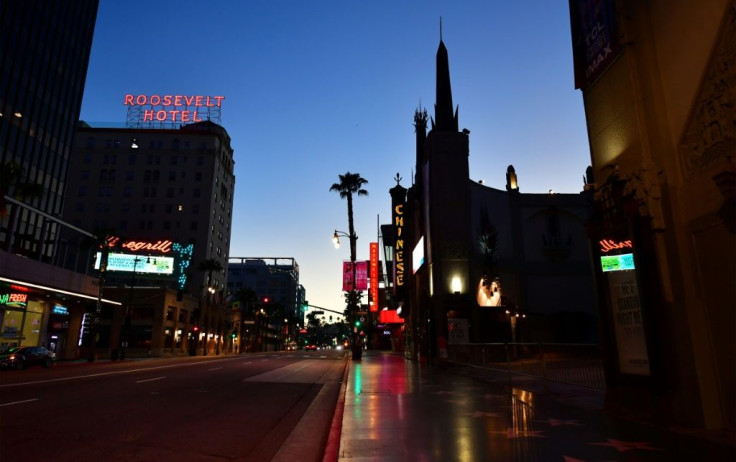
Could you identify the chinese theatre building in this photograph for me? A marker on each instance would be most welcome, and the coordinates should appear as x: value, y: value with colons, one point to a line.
x: 474, y: 264
x: 658, y: 81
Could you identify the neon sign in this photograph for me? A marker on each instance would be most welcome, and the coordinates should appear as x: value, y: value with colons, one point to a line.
x: 14, y: 299
x: 163, y: 246
x: 374, y: 275
x: 607, y: 245
x: 172, y: 108
x: 399, y: 246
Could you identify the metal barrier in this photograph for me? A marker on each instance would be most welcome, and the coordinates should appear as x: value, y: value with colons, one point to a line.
x: 575, y: 364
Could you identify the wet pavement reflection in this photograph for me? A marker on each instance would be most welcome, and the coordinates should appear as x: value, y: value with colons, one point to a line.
x: 396, y: 410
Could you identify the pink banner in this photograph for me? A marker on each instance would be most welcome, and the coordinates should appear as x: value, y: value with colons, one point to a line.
x: 361, y: 275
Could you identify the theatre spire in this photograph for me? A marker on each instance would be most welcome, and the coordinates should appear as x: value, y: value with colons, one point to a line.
x: 444, y: 118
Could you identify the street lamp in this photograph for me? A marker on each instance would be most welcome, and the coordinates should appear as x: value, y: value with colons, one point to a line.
x: 352, y: 301
x: 126, y: 327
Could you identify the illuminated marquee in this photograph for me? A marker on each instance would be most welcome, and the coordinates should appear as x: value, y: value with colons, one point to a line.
x: 172, y: 109
x: 399, y: 246
x: 125, y: 262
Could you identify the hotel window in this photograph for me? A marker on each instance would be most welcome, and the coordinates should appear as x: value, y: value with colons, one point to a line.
x: 167, y: 225
x: 87, y: 158
x: 131, y: 159
x: 125, y: 207
x: 80, y: 207
x: 174, y: 160
x: 169, y: 208
x: 82, y: 191
x: 156, y: 176
x: 147, y: 176
x: 193, y: 226
x: 128, y: 191
x: 196, y: 192
x: 172, y: 176
x: 200, y: 159
x: 84, y: 175
x: 175, y: 144
x: 198, y: 176
x: 129, y: 175
x: 90, y: 142
x: 169, y: 192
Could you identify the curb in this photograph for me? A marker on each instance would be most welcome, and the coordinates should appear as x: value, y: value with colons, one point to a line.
x: 332, y: 450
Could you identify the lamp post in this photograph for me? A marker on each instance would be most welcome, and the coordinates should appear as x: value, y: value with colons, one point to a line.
x: 126, y: 326
x: 355, y: 347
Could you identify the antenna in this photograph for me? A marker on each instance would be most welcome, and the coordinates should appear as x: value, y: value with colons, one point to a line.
x: 440, y: 28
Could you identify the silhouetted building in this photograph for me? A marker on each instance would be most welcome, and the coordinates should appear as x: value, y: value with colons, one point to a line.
x: 44, y: 53
x: 658, y: 81
x: 477, y: 264
x: 275, y: 283
x: 167, y: 194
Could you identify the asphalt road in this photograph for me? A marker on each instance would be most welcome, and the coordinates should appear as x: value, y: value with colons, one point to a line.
x: 255, y: 407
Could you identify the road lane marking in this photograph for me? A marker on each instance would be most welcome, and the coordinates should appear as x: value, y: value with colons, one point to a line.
x: 249, y: 362
x: 214, y: 369
x: 19, y: 402
x: 102, y: 374
x: 150, y: 380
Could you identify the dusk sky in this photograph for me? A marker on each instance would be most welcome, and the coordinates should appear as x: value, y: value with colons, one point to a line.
x: 315, y: 89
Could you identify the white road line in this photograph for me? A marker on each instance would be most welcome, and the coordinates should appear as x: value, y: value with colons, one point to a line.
x: 249, y: 362
x: 19, y: 402
x: 214, y: 369
x: 150, y: 380
x: 101, y: 374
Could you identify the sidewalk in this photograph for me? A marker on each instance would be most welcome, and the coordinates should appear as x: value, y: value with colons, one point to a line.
x: 397, y: 410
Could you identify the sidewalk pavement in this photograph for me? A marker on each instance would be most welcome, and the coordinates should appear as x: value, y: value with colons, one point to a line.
x: 398, y: 410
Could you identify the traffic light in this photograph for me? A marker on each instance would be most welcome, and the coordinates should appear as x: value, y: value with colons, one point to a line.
x: 265, y: 300
x: 305, y: 305
x: 195, y: 328
x: 234, y: 334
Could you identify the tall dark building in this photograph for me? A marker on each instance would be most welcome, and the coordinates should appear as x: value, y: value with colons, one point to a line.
x: 44, y: 53
x: 43, y: 66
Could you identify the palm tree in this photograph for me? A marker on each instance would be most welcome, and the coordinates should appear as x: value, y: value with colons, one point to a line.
x: 209, y: 266
x: 351, y: 183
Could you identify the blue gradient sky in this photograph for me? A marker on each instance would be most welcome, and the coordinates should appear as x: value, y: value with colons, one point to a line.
x: 315, y: 89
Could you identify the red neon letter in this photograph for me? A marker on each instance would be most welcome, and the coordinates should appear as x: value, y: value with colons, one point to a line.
x: 140, y: 100
x: 189, y: 100
x: 128, y: 100
x: 184, y: 116
x: 148, y: 115
x: 177, y: 100
x: 198, y: 100
x: 219, y: 100
x: 167, y: 100
x: 196, y: 118
x: 155, y: 100
x: 161, y: 116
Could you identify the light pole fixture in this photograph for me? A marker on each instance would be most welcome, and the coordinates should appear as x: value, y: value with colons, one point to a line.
x: 352, y: 304
x: 336, y: 237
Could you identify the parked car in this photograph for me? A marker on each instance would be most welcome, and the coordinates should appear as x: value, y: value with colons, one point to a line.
x: 311, y: 347
x: 22, y: 357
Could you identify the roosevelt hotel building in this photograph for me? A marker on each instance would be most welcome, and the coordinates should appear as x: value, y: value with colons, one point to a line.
x: 157, y: 184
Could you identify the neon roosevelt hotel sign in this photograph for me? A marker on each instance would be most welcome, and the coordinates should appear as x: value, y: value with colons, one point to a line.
x: 172, y: 108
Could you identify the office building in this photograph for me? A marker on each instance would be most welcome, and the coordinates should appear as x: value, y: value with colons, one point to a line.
x: 43, y: 65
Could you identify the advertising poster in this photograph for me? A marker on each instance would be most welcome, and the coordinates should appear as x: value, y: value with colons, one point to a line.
x: 361, y: 275
x: 457, y: 331
x: 627, y: 321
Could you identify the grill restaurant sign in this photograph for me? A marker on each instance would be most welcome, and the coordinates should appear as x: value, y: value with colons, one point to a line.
x: 172, y: 109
